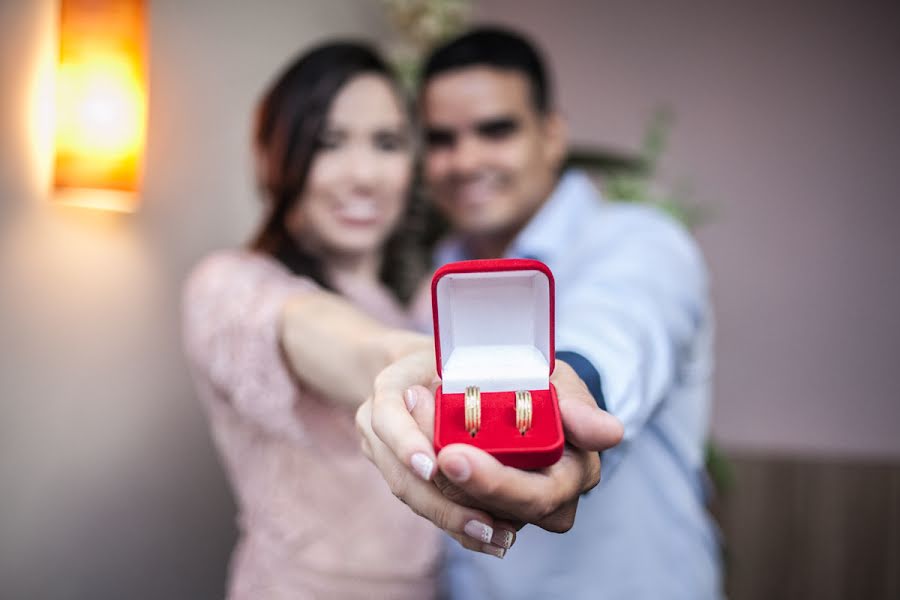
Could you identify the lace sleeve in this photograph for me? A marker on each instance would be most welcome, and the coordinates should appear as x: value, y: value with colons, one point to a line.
x: 231, y: 309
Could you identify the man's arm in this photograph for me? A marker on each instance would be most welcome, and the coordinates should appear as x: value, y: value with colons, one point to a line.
x: 636, y: 308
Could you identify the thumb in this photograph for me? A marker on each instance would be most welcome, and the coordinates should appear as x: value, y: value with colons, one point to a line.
x: 586, y: 425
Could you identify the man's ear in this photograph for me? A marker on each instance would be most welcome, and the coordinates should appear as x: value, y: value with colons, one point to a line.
x: 556, y: 138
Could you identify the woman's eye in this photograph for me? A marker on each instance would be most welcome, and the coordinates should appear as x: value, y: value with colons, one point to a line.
x: 329, y: 140
x: 390, y: 141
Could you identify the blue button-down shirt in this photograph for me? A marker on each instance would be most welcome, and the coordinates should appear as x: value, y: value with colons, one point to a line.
x: 632, y: 314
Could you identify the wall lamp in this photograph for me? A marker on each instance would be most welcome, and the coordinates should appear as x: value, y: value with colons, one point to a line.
x: 101, y: 103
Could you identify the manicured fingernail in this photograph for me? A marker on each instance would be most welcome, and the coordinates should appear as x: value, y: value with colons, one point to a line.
x: 479, y: 531
x: 423, y: 465
x: 457, y: 469
x: 494, y: 550
x: 503, y: 538
x: 410, y: 397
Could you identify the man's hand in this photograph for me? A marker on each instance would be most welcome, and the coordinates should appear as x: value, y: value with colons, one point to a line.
x: 549, y: 497
x: 397, y: 438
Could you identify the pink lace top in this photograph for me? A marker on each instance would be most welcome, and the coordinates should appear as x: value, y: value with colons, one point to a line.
x: 316, y: 519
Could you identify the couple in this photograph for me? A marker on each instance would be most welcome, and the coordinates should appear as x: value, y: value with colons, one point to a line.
x: 288, y: 338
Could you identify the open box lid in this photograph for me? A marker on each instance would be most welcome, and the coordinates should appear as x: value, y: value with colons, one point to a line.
x: 493, y: 325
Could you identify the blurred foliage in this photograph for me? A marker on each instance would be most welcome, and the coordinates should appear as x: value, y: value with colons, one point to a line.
x: 720, y: 468
x: 418, y: 26
x: 634, y: 179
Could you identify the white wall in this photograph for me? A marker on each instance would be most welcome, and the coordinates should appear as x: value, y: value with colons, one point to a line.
x: 109, y: 486
x: 787, y: 127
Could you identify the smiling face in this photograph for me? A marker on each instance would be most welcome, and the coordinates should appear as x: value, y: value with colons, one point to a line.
x: 359, y: 177
x: 492, y: 158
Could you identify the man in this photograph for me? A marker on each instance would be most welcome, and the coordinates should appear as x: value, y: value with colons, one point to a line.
x: 632, y: 320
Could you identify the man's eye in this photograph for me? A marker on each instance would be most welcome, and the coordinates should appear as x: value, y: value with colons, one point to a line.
x: 497, y: 129
x: 390, y: 141
x: 439, y: 138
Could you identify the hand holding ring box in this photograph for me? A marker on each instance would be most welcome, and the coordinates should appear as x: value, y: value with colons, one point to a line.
x: 493, y: 329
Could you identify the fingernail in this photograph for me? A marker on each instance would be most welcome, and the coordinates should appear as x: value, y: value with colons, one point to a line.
x: 503, y: 538
x: 457, y: 469
x: 479, y: 531
x: 422, y: 464
x: 494, y: 550
x: 410, y: 397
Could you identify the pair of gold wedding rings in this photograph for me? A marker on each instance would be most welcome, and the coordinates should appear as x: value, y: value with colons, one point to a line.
x: 473, y: 410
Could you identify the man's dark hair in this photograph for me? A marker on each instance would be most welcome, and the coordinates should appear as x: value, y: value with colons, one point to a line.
x: 493, y: 47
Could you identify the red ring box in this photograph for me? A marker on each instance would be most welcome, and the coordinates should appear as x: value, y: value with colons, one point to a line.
x: 493, y: 328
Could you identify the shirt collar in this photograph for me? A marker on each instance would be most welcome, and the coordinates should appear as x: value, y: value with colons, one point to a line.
x: 555, y: 220
x: 540, y: 239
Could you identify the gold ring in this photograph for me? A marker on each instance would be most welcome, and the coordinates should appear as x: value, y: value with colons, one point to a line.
x: 473, y: 409
x: 523, y: 411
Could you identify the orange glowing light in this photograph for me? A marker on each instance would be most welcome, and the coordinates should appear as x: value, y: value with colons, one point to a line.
x: 101, y: 109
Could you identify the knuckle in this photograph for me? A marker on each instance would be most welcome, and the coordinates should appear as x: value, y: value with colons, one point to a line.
x: 560, y: 525
x: 398, y: 482
x: 491, y: 488
x: 456, y: 494
x: 378, y: 424
x: 590, y: 473
x: 539, y: 508
x: 594, y: 475
x: 561, y: 521
x: 442, y: 517
x: 379, y: 381
x: 360, y: 421
x: 383, y: 379
x: 415, y: 508
x: 365, y: 448
x: 441, y: 482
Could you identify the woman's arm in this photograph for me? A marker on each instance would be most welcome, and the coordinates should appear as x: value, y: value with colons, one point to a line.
x: 259, y: 339
x: 336, y: 350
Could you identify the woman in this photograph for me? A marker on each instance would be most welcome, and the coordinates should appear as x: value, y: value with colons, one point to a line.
x: 334, y: 159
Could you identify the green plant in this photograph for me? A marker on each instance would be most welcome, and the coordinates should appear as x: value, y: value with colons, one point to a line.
x: 635, y: 179
x: 419, y: 25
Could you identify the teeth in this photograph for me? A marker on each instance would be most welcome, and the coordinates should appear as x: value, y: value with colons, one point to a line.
x: 358, y: 210
x: 476, y: 190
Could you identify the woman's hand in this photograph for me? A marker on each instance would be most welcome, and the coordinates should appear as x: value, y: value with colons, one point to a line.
x: 396, y: 426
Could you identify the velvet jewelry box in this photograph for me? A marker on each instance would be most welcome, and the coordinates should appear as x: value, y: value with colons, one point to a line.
x: 493, y: 328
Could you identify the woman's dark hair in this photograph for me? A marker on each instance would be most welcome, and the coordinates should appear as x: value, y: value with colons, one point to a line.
x: 290, y: 120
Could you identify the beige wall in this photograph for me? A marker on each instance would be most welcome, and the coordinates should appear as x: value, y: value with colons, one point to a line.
x: 787, y: 127
x: 108, y: 483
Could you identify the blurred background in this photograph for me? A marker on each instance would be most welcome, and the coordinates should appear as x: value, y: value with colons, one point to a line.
x: 783, y: 130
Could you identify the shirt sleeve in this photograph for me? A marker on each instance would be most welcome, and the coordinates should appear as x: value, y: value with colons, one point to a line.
x: 633, y: 310
x: 231, y: 313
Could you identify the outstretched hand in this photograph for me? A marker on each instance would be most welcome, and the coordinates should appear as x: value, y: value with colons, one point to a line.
x: 463, y: 483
